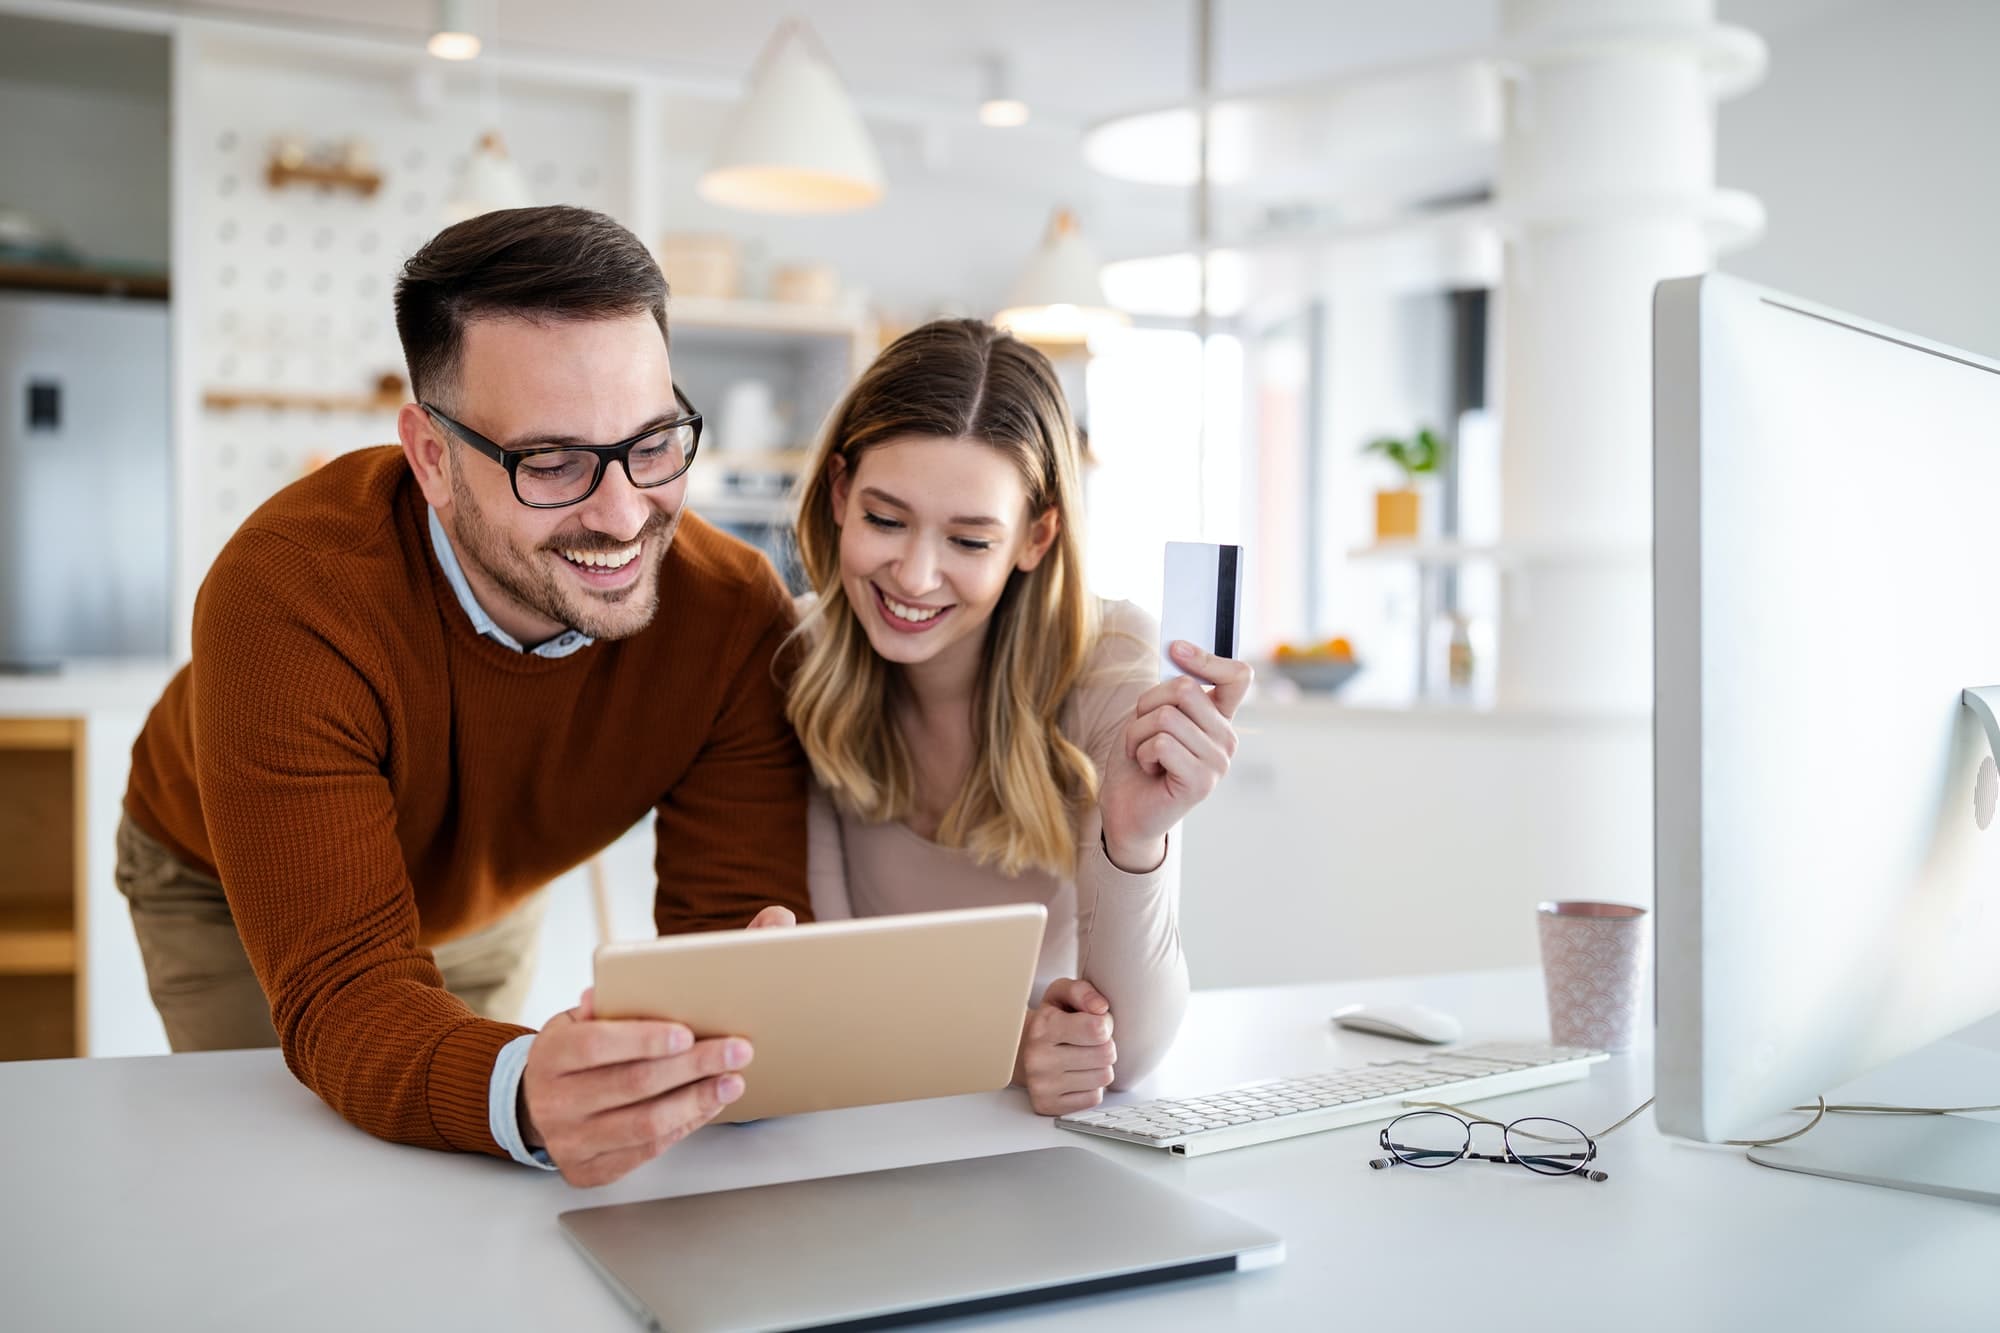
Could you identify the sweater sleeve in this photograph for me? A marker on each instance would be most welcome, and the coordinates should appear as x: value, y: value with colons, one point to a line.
x: 1127, y: 925
x: 290, y: 743
x: 730, y: 838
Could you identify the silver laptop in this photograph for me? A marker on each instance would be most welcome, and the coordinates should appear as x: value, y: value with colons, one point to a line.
x: 890, y: 1247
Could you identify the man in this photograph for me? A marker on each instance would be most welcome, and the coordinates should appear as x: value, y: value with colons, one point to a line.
x: 426, y: 682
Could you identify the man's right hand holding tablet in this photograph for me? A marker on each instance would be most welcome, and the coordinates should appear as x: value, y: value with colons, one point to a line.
x: 603, y: 1096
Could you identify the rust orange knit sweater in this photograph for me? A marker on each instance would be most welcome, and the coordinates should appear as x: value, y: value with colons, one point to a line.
x: 368, y: 776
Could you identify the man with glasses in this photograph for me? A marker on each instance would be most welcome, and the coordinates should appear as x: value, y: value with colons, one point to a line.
x: 427, y: 681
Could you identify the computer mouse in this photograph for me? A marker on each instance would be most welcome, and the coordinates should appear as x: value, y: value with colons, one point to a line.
x: 1409, y: 1022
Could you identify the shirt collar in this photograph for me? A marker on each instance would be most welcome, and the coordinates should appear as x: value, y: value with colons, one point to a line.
x: 562, y: 645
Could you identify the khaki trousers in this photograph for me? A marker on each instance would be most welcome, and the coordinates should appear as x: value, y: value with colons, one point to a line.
x: 201, y: 980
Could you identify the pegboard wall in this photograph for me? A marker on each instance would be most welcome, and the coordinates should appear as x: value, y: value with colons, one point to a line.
x: 290, y: 289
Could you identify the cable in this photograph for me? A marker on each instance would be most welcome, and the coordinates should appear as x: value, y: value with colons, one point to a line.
x: 1542, y: 1138
x: 1819, y: 1113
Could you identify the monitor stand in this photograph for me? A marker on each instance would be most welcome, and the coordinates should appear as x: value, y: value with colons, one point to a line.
x: 1931, y: 1154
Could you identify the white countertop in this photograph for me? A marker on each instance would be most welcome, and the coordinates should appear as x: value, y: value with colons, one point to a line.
x: 1318, y: 708
x: 85, y: 686
x: 213, y: 1192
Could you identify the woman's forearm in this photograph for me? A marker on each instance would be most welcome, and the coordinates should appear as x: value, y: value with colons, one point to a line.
x: 1129, y: 947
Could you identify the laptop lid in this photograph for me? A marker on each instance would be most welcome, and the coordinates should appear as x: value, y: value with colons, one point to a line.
x: 883, y: 1248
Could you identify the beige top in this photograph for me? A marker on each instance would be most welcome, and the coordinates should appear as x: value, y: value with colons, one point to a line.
x: 1118, y: 931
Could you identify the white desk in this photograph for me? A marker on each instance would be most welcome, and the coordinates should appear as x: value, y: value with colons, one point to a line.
x: 213, y: 1192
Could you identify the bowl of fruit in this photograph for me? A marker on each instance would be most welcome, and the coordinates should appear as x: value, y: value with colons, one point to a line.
x: 1322, y: 667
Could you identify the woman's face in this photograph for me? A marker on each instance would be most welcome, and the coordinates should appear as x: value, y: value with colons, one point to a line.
x: 930, y: 530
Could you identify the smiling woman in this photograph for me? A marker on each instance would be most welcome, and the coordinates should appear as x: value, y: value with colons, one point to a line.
x: 983, y: 730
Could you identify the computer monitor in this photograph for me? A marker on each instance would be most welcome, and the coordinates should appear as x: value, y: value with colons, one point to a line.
x: 1827, y: 522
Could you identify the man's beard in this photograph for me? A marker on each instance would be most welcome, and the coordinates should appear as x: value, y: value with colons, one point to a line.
x: 616, y: 614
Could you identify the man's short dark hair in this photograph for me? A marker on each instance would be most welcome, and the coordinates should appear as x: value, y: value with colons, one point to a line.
x: 554, y: 263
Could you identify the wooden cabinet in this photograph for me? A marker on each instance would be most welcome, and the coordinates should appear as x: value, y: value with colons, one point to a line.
x: 42, y: 911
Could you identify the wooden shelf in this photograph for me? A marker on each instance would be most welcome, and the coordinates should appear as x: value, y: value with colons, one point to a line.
x: 783, y: 317
x: 364, y: 181
x: 42, y: 856
x: 37, y: 940
x: 1506, y: 555
x: 83, y: 281
x: 391, y: 391
x: 293, y: 400
x: 37, y: 733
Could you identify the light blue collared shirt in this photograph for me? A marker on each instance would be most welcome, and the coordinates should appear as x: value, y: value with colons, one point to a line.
x: 562, y: 645
x: 503, y: 1093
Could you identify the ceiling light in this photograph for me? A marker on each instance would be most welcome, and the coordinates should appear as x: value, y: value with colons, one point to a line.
x: 490, y: 181
x: 454, y: 38
x: 1003, y: 113
x: 795, y: 144
x: 999, y: 107
x: 1060, y: 298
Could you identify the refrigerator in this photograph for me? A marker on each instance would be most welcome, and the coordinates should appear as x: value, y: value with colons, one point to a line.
x: 85, y: 480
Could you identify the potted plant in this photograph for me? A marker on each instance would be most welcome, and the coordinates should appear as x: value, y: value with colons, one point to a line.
x: 1397, y: 513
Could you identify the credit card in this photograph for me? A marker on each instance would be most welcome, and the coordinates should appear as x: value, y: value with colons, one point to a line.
x: 1204, y: 587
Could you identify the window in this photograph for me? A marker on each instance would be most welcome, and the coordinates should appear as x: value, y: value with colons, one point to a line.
x: 1156, y: 479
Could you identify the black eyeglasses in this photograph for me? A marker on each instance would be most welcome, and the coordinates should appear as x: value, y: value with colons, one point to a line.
x: 1431, y: 1139
x: 552, y: 476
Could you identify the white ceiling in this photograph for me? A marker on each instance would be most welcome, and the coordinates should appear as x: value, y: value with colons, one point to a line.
x: 914, y: 67
x: 1074, y: 61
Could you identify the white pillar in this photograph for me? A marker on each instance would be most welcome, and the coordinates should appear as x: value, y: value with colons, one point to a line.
x: 1606, y: 186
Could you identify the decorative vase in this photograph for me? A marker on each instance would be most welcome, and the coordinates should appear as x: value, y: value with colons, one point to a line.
x: 1397, y: 515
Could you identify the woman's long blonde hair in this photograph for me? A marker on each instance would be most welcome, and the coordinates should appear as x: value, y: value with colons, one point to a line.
x: 957, y: 379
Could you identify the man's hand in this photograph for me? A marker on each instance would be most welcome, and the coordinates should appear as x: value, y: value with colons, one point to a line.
x: 1067, y: 1056
x: 603, y: 1096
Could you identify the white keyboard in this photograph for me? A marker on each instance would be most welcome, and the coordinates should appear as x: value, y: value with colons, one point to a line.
x: 1284, y: 1108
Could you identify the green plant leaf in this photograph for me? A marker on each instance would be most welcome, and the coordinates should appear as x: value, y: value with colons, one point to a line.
x: 1413, y: 456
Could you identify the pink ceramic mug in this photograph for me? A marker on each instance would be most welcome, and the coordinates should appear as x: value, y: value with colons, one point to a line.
x: 1594, y: 958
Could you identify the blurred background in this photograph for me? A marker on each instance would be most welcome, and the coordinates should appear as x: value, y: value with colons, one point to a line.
x: 1363, y: 287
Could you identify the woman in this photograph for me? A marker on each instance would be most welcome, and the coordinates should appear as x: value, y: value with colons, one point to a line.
x: 983, y: 730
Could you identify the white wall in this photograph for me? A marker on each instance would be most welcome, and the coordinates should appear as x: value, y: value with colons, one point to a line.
x: 1350, y: 843
x: 291, y: 289
x: 90, y: 164
x: 1870, y: 143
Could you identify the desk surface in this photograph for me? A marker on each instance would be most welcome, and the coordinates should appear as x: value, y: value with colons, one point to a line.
x: 213, y: 1192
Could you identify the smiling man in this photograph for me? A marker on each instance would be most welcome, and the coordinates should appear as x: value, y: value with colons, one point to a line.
x: 428, y: 680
